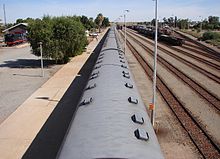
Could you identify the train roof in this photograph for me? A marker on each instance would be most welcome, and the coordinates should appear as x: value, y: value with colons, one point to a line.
x: 104, y: 125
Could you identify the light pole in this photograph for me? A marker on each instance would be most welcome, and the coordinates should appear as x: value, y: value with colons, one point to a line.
x: 153, y: 106
x: 200, y: 23
x: 4, y: 14
x: 125, y: 28
x: 41, y: 59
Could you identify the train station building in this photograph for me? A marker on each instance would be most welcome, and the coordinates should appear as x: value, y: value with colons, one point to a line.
x: 20, y: 28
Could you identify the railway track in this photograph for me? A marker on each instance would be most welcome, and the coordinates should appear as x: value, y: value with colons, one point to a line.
x: 209, y: 63
x: 188, y: 47
x: 210, y: 52
x: 204, y: 93
x: 199, y: 59
x: 192, y: 45
x: 203, y: 142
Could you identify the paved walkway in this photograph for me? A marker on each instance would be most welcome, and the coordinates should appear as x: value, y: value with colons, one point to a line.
x: 20, y: 128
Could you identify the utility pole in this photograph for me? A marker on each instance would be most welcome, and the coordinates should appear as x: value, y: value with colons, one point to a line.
x: 153, y: 105
x: 125, y: 28
x: 4, y: 14
x: 41, y: 56
x: 201, y: 23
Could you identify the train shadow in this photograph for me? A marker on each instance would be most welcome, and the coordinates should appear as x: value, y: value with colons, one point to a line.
x: 49, y: 140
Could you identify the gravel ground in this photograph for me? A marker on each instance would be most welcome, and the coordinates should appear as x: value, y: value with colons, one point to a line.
x: 210, y: 85
x: 172, y: 137
x: 192, y: 101
x: 197, y: 63
x: 20, y: 76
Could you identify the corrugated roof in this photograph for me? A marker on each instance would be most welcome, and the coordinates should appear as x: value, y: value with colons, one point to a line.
x: 25, y: 24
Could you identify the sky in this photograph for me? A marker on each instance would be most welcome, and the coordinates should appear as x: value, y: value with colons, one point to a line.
x: 139, y: 10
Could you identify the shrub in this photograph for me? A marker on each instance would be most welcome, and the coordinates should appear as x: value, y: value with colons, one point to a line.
x: 62, y: 37
x: 211, y: 35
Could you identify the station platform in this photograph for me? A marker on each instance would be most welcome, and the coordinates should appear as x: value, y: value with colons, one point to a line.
x: 19, y: 130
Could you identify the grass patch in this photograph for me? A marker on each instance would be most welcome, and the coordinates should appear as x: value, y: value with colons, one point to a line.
x: 209, y: 37
x: 194, y: 33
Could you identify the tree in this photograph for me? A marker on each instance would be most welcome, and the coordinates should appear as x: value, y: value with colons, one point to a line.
x: 213, y: 20
x: 8, y: 25
x: 92, y: 23
x: 165, y: 20
x: 62, y: 37
x: 88, y: 23
x: 85, y: 21
x: 19, y: 21
x: 105, y: 22
x: 1, y: 27
x: 99, y: 19
x: 170, y: 21
x: 175, y: 21
x: 183, y: 23
x: 153, y: 22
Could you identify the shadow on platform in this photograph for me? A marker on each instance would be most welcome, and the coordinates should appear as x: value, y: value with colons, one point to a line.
x: 27, y: 63
x: 47, y: 143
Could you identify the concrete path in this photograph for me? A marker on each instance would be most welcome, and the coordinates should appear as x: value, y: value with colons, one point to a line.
x: 21, y: 127
x: 20, y: 77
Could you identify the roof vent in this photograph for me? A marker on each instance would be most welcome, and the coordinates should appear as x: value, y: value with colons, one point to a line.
x: 100, y: 61
x: 123, y: 66
x: 133, y: 100
x: 137, y: 119
x: 120, y: 51
x: 94, y: 76
x: 101, y: 54
x: 95, y: 73
x: 86, y: 101
x: 122, y: 61
x: 101, y: 57
x: 126, y: 73
x: 91, y: 86
x: 128, y: 85
x: 121, y: 57
x: 96, y: 67
x: 141, y: 134
x: 126, y: 76
x: 120, y: 54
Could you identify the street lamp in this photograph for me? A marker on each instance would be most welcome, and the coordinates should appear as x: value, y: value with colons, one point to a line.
x: 201, y: 23
x: 153, y: 105
x: 41, y: 59
x: 125, y: 28
x: 174, y: 26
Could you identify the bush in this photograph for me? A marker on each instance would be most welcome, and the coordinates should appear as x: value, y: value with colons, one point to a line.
x: 62, y: 37
x: 211, y: 35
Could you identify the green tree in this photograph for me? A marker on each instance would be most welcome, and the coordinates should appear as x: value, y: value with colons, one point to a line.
x: 105, y: 22
x: 85, y: 22
x: 1, y: 27
x: 183, y: 23
x: 213, y: 20
x: 92, y: 23
x: 99, y: 19
x: 62, y: 37
x: 153, y: 22
x: 8, y: 25
x: 170, y: 21
x: 165, y: 21
x: 19, y: 21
